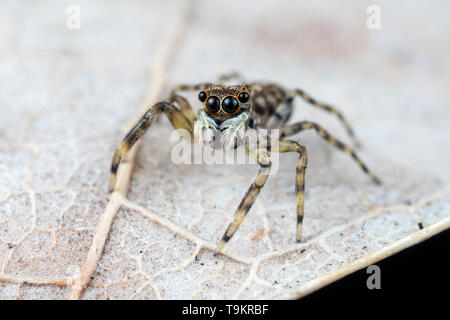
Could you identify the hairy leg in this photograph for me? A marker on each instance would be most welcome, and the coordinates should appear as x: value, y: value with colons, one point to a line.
x: 300, y: 126
x: 292, y: 146
x: 263, y: 158
x: 190, y: 87
x: 176, y: 117
x: 185, y: 107
x: 287, y: 104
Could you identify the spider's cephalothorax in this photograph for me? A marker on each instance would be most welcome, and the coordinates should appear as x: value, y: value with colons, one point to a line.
x: 225, y: 115
x: 227, y: 112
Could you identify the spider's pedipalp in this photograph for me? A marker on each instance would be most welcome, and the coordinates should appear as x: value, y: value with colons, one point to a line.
x: 205, y: 129
x: 233, y: 130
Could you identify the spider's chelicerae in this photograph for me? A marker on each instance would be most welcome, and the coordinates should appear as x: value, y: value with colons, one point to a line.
x: 231, y: 110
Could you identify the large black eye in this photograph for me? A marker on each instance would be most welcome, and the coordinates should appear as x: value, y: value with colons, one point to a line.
x: 243, y: 97
x: 202, y: 96
x: 213, y: 104
x: 230, y: 104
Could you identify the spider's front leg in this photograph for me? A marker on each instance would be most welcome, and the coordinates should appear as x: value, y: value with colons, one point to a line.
x: 185, y: 107
x: 178, y: 119
x: 263, y: 159
x: 292, y: 146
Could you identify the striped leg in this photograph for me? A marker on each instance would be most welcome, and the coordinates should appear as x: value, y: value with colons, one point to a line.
x: 298, y: 92
x: 299, y: 126
x: 263, y: 158
x: 292, y: 146
x: 185, y: 108
x: 178, y: 120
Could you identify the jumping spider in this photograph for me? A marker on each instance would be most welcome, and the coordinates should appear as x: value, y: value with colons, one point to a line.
x: 232, y: 110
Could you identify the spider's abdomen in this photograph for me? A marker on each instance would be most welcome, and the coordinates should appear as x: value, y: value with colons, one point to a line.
x: 267, y: 100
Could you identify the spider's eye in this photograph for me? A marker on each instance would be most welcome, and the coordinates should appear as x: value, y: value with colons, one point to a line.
x: 230, y: 105
x: 243, y: 97
x: 202, y: 96
x: 213, y: 104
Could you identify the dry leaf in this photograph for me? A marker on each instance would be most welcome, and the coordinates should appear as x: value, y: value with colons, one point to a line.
x: 67, y: 97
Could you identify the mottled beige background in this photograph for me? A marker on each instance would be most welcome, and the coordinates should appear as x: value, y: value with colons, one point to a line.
x: 67, y: 98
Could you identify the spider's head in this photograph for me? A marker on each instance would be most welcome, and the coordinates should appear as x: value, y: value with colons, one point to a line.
x: 226, y: 112
x: 224, y: 102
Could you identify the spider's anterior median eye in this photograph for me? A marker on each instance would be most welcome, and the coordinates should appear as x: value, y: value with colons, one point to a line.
x: 202, y: 96
x: 213, y: 104
x: 230, y: 104
x: 243, y: 97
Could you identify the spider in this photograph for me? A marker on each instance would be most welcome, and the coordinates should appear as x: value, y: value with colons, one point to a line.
x: 231, y: 110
